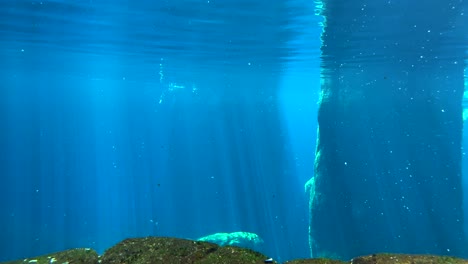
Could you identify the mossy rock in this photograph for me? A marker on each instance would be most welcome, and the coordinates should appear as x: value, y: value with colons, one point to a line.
x: 72, y: 256
x: 386, y: 259
x: 407, y: 259
x: 315, y: 261
x: 154, y: 250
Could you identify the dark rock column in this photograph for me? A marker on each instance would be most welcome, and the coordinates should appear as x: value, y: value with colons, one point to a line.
x: 388, y: 164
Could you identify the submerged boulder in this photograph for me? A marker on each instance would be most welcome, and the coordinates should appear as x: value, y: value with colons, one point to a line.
x: 75, y: 256
x: 172, y: 250
x: 315, y: 261
x: 406, y: 259
x: 385, y: 259
x: 163, y: 250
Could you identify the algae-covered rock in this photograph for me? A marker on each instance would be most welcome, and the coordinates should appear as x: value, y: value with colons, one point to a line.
x: 386, y: 259
x: 315, y: 261
x: 407, y: 259
x: 239, y: 239
x: 75, y: 256
x: 153, y: 250
x: 234, y: 255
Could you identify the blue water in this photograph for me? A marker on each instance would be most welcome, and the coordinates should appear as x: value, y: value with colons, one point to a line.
x: 164, y: 118
x: 159, y: 118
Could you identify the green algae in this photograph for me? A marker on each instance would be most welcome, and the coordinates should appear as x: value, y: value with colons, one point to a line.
x: 72, y: 256
x: 407, y: 259
x: 154, y: 250
x: 315, y: 261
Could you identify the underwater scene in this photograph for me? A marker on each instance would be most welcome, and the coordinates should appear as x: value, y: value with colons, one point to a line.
x: 237, y: 131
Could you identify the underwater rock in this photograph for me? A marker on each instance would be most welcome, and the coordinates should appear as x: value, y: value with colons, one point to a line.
x: 165, y: 250
x: 162, y: 250
x: 315, y: 261
x: 75, y: 256
x: 406, y: 259
x: 385, y: 259
x: 239, y: 239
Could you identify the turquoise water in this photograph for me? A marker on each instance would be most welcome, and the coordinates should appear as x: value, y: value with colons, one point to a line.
x: 168, y: 118
x: 188, y: 118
